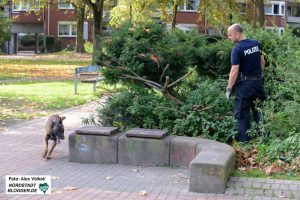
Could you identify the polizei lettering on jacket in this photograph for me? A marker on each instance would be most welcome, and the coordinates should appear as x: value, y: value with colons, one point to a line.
x: 251, y: 51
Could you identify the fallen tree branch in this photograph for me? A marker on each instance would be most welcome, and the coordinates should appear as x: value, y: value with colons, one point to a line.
x: 163, y: 73
x: 142, y: 79
x: 156, y: 56
x: 183, y: 77
x: 173, y: 109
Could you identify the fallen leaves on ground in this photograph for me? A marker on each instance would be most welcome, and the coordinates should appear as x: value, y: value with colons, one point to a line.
x: 143, y: 193
x: 58, y: 191
x: 68, y: 188
x: 134, y: 170
x: 109, y: 177
x: 281, y: 195
x: 43, y: 72
x: 181, y: 176
x: 55, y: 178
x: 247, y: 160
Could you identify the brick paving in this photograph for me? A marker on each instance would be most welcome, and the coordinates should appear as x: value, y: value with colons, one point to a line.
x: 21, y: 150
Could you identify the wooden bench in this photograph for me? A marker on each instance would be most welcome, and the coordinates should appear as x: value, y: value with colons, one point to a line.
x: 88, y: 74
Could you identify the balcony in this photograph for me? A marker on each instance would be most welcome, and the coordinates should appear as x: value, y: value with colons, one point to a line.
x: 293, y: 19
x: 293, y: 13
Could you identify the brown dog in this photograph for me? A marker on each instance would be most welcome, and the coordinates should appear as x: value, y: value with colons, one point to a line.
x: 54, y: 131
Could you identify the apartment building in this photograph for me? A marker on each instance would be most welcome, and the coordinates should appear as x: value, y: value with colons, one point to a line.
x: 58, y: 20
x: 277, y: 14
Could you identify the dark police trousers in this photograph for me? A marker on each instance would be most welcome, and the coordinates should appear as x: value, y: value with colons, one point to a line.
x: 246, y: 94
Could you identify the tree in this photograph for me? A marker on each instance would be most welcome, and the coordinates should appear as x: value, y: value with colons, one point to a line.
x: 134, y: 11
x: 219, y: 13
x: 261, y: 12
x: 80, y: 12
x: 164, y: 7
x: 4, y: 29
x: 146, y: 54
x: 96, y: 7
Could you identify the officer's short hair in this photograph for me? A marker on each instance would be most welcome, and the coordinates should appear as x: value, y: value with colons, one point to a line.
x: 238, y: 28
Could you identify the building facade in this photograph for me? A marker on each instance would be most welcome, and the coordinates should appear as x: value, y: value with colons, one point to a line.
x: 277, y: 14
x: 58, y: 20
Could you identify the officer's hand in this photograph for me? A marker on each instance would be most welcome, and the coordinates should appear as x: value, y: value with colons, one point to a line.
x: 228, y: 93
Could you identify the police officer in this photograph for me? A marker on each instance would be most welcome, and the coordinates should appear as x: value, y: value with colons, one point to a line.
x: 247, y: 66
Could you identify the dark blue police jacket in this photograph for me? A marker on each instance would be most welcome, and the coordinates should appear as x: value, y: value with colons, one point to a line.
x: 246, y: 54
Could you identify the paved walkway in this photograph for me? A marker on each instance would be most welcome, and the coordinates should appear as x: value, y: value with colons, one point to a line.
x: 21, y: 150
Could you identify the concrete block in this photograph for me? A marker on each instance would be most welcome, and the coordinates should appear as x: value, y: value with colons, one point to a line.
x: 203, y: 144
x: 146, y: 133
x: 97, y: 130
x: 210, y: 169
x: 93, y: 148
x: 144, y: 151
x: 182, y: 151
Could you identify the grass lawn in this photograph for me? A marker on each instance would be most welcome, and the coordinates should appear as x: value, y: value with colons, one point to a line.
x: 47, y: 61
x: 258, y: 173
x: 33, y: 69
x: 26, y: 100
x: 31, y: 88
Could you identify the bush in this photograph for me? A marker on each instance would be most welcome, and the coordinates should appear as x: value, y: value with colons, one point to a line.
x: 147, y: 50
x: 50, y: 40
x: 214, y: 59
x: 58, y: 45
x: 88, y: 46
x: 206, y: 112
x: 5, y: 32
x: 133, y: 108
x: 280, y: 127
x: 27, y: 40
x: 203, y: 110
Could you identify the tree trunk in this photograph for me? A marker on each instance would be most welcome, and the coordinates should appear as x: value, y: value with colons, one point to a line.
x: 175, y: 7
x: 261, y: 13
x: 80, y: 12
x: 130, y: 12
x: 98, y: 16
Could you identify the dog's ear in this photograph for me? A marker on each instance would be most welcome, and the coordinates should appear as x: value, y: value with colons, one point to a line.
x: 62, y: 118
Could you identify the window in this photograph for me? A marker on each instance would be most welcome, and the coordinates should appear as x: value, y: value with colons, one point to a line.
x: 26, y: 5
x: 294, y: 11
x: 63, y: 4
x: 190, y: 5
x: 67, y: 29
x: 279, y: 30
x: 275, y: 8
x: 268, y: 9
